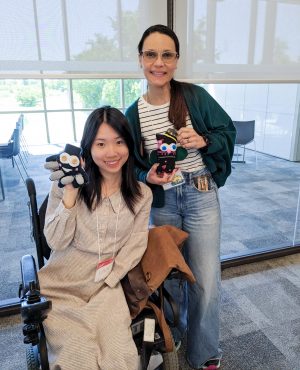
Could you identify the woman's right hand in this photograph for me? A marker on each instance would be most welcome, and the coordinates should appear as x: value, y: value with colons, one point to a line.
x: 161, y: 179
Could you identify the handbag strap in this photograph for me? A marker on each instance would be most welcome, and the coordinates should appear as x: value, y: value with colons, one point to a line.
x: 163, y: 325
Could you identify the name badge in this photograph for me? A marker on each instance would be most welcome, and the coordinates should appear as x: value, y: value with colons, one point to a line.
x: 103, y: 269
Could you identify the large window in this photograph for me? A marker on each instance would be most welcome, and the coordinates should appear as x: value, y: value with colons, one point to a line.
x: 239, y: 40
x: 56, y: 109
x: 75, y: 36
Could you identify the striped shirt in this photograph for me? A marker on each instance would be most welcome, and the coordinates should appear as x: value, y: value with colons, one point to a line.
x: 154, y: 119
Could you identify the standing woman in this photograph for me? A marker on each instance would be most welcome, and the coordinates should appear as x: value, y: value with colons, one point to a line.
x: 208, y: 134
x: 97, y: 234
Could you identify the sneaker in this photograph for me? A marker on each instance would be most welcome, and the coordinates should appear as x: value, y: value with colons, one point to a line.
x: 212, y: 364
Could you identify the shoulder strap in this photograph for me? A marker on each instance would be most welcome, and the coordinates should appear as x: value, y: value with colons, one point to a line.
x: 163, y: 325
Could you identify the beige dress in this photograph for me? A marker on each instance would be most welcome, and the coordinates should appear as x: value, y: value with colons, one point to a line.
x: 89, y: 324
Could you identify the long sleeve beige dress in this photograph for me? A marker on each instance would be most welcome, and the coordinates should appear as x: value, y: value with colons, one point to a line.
x: 89, y: 325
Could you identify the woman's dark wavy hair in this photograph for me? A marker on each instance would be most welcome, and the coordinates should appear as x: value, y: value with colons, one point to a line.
x: 178, y: 109
x: 130, y: 188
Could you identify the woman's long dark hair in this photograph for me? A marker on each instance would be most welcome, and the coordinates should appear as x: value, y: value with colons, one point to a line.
x: 178, y: 109
x: 130, y: 188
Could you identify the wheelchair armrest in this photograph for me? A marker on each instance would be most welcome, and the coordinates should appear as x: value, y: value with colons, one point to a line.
x: 34, y: 306
x: 34, y: 311
x: 28, y: 274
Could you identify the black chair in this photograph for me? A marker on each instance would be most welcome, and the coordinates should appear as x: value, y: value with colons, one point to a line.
x: 11, y: 150
x: 245, y: 134
x: 34, y: 306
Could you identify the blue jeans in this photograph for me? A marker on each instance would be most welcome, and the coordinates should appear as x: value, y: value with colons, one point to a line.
x: 198, y: 213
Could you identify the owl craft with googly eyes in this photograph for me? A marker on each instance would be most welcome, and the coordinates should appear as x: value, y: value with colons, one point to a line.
x: 167, y: 152
x: 66, y: 167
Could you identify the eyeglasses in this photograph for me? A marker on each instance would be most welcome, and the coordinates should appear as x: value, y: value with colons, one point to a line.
x: 166, y: 56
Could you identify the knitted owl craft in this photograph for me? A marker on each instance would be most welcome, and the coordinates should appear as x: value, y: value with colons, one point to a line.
x: 66, y: 167
x: 167, y: 152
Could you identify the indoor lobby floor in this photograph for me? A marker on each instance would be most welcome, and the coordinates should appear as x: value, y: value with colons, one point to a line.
x: 259, y: 205
x: 260, y: 320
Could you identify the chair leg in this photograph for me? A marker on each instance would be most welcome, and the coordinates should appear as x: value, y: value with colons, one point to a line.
x: 297, y: 218
x: 244, y: 154
x: 20, y: 170
x: 255, y: 154
x: 25, y: 168
x: 22, y: 162
x: 24, y: 147
x: 237, y: 154
x: 23, y: 165
x: 2, y: 186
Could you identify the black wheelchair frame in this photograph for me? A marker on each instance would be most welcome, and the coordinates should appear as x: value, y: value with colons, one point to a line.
x: 34, y: 306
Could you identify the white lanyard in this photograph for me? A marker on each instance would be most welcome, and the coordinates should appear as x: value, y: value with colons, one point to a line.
x: 116, y: 229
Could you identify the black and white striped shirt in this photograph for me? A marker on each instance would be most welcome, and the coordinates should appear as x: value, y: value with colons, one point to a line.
x: 154, y: 119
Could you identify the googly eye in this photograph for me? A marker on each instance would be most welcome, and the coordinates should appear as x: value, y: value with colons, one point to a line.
x: 164, y: 147
x: 64, y: 158
x: 74, y: 161
x: 173, y: 147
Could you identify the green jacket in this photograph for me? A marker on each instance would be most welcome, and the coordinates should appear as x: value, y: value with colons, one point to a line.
x: 208, y: 118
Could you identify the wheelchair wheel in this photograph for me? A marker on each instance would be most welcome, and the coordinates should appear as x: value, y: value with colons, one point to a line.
x: 32, y: 358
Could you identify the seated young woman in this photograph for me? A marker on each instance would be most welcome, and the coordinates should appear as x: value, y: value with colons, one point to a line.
x: 97, y: 233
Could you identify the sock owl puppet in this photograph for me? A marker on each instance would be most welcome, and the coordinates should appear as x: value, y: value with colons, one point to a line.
x: 66, y: 167
x: 167, y: 152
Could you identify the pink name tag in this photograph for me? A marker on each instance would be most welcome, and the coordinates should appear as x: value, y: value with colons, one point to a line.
x: 103, y: 269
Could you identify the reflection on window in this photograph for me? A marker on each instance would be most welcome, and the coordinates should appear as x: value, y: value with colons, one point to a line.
x: 241, y: 39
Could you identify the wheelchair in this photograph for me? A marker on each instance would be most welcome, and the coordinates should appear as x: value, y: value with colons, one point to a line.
x: 34, y: 306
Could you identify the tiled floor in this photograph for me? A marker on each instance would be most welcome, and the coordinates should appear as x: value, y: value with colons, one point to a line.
x: 259, y: 205
x: 260, y: 320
